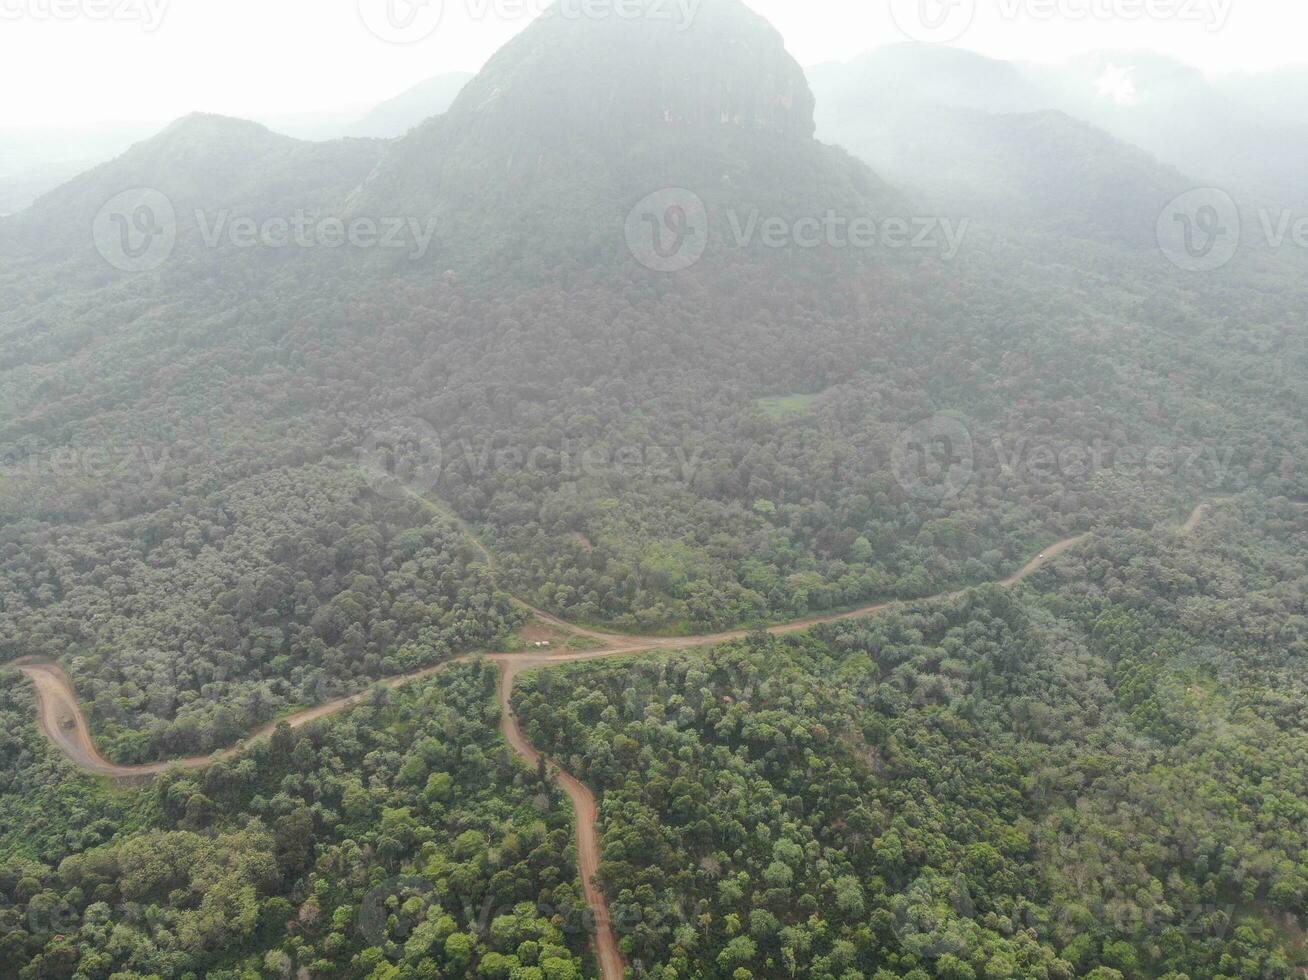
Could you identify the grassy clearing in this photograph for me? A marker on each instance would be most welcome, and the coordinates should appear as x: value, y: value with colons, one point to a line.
x: 786, y: 406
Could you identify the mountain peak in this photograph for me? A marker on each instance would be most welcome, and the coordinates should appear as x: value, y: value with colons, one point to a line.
x: 578, y: 119
x: 210, y: 123
x: 700, y: 67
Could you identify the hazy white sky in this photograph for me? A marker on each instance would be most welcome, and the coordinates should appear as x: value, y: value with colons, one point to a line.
x: 74, y: 62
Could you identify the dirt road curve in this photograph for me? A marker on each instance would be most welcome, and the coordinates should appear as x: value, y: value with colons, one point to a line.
x: 62, y: 722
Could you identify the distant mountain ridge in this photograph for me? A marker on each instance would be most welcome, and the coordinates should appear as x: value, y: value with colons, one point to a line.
x: 395, y: 117
x: 1226, y: 132
x: 25, y: 176
x: 202, y: 161
x: 969, y: 134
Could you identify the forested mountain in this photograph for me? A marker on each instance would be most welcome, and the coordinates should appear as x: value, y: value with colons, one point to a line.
x: 658, y: 452
x: 600, y: 364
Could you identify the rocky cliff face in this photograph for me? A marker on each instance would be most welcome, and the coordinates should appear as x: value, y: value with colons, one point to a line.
x: 570, y: 125
x: 679, y: 66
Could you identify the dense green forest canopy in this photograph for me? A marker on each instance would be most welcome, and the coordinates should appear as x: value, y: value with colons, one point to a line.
x: 1101, y: 776
x: 188, y: 627
x: 400, y: 840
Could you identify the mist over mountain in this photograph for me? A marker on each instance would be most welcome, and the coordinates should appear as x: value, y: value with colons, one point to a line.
x: 972, y: 134
x: 924, y: 75
x: 1176, y: 113
x: 20, y: 187
x: 202, y: 163
x: 34, y: 163
x: 875, y: 106
x: 387, y: 120
x: 411, y: 108
x: 1280, y: 96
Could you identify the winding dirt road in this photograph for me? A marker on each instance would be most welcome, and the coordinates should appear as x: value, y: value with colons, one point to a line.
x: 61, y: 718
x: 604, y: 939
x: 62, y: 722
